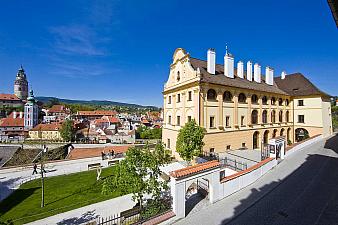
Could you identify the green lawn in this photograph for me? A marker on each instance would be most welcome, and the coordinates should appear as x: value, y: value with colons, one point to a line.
x: 62, y: 193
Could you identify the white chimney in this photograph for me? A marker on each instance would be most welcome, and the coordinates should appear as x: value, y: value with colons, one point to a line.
x: 21, y: 115
x: 269, y: 75
x: 240, y: 69
x: 249, y: 70
x: 228, y: 65
x: 211, y: 57
x: 257, y: 73
x: 283, y: 75
x: 14, y: 114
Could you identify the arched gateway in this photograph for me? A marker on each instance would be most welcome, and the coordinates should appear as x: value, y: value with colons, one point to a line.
x: 203, y: 179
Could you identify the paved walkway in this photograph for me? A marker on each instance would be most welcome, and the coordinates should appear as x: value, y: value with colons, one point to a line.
x: 302, y: 189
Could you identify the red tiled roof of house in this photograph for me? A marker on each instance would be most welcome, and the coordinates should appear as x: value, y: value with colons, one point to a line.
x: 97, y: 113
x: 11, y: 122
x: 57, y: 109
x: 78, y: 153
x: 113, y: 119
x: 9, y: 97
x: 47, y: 127
x: 17, y: 114
x: 194, y: 169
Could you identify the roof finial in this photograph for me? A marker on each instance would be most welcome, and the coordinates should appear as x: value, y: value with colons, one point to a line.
x: 226, y: 48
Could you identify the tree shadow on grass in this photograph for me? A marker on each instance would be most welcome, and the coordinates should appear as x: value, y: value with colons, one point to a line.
x: 86, y: 217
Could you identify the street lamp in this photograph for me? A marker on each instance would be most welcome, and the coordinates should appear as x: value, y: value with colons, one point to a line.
x: 44, y: 150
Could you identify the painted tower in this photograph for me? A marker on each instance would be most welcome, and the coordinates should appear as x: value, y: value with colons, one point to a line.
x: 31, y: 112
x: 21, y: 84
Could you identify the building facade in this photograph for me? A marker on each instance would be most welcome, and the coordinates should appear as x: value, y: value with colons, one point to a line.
x: 239, y: 108
x: 31, y: 114
x: 49, y: 132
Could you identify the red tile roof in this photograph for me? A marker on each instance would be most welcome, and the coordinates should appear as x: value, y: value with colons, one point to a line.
x: 78, y: 153
x: 11, y: 122
x: 58, y: 109
x: 9, y: 97
x: 195, y: 169
x: 47, y: 127
x: 97, y: 113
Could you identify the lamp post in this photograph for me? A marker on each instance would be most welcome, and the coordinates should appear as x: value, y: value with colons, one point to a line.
x: 44, y: 150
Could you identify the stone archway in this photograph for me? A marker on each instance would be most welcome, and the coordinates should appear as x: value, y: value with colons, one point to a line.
x: 197, y: 193
x: 288, y: 135
x: 266, y: 137
x: 274, y: 133
x: 255, y: 140
x: 282, y: 132
x: 301, y: 134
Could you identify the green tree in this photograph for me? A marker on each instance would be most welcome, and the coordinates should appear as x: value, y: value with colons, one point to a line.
x: 67, y: 131
x: 190, y: 140
x: 140, y: 172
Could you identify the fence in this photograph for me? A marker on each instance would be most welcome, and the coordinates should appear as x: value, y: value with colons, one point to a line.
x: 116, y: 220
x: 233, y: 164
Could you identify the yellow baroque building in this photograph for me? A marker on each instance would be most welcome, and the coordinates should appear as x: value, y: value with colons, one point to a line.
x: 49, y: 132
x: 240, y: 108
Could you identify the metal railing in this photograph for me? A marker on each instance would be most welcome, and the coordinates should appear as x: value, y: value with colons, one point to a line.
x: 233, y: 164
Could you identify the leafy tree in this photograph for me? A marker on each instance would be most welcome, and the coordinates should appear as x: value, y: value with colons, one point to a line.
x: 144, y: 132
x: 140, y: 172
x: 52, y: 101
x: 190, y: 140
x: 67, y: 131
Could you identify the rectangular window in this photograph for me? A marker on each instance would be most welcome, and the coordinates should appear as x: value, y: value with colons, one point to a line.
x: 168, y: 143
x: 243, y: 145
x: 212, y: 150
x: 178, y: 97
x: 227, y: 121
x: 178, y: 122
x: 169, y: 100
x: 300, y: 118
x: 190, y: 96
x: 169, y: 119
x: 212, y: 122
x: 189, y: 118
x: 242, y: 120
x: 228, y: 147
x: 300, y: 102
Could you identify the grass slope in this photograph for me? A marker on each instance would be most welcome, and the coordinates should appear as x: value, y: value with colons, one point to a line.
x: 62, y: 193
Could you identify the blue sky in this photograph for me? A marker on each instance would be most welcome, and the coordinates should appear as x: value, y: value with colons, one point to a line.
x: 121, y: 50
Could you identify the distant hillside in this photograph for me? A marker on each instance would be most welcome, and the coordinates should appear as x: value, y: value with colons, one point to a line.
x: 92, y: 102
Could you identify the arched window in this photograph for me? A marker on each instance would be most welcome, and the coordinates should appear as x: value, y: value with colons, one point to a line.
x: 280, y: 116
x: 211, y: 95
x: 287, y: 116
x: 254, y: 99
x: 178, y: 77
x: 273, y: 116
x: 227, y: 96
x: 265, y: 116
x: 286, y: 102
x: 254, y: 117
x: 273, y: 100
x: 242, y: 98
x: 264, y: 100
x: 280, y: 101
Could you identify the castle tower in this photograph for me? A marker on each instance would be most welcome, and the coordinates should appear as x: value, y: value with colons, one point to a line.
x: 31, y: 112
x: 21, y: 84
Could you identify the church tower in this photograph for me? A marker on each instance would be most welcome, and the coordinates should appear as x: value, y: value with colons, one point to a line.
x: 31, y: 114
x: 21, y: 84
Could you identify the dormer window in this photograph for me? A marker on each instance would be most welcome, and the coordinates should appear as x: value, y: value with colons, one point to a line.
x: 178, y: 78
